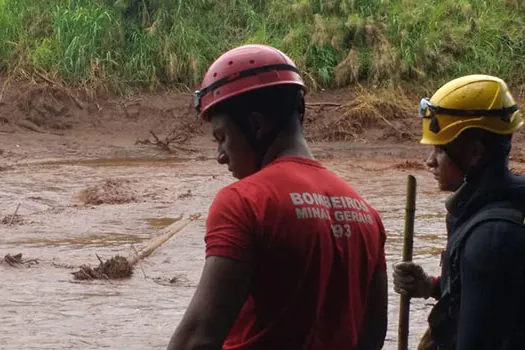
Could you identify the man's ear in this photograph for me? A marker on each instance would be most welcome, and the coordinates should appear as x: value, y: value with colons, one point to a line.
x: 477, y: 153
x: 260, y: 125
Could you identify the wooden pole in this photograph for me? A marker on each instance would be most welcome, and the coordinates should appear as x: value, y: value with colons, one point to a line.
x: 166, y: 234
x: 408, y: 244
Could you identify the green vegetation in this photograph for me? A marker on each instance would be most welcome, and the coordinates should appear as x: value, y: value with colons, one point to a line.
x: 151, y: 43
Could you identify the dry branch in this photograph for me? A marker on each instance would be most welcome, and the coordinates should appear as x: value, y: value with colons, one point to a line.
x: 121, y: 267
x: 162, y: 144
x: 168, y: 143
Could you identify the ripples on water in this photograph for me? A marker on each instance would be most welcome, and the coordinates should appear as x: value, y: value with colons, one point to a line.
x: 43, y: 309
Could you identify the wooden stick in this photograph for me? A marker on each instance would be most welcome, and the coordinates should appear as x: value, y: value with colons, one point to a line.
x: 169, y: 232
x: 140, y: 265
x: 161, y: 144
x: 408, y: 244
x: 14, y: 215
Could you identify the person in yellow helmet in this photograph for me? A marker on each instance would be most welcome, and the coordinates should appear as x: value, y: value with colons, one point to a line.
x: 481, y: 291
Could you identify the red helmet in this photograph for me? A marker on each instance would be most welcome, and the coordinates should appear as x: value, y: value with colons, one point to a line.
x: 243, y: 69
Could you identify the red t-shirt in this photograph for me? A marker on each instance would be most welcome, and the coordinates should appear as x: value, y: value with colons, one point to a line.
x: 314, y: 243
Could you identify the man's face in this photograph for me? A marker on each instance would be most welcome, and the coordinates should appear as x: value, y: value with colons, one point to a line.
x: 233, y: 147
x: 445, y: 171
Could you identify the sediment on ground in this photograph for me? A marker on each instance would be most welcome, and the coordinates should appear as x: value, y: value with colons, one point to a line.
x: 168, y: 121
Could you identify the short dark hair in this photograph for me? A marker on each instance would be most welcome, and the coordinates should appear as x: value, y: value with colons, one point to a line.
x: 497, y: 146
x: 281, y: 103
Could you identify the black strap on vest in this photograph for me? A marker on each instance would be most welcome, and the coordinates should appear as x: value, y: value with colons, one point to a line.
x: 461, y: 235
x: 443, y: 319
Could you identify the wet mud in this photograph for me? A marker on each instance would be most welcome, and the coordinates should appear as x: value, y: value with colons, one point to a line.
x: 45, y: 305
x: 93, y: 193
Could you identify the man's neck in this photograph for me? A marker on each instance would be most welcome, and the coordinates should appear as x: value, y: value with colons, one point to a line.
x: 485, y: 183
x: 287, y: 146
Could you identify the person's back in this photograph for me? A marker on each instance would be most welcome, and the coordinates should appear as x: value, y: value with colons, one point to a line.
x: 294, y: 257
x: 316, y: 244
x: 491, y: 278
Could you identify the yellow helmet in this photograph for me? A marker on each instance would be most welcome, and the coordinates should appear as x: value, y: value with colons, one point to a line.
x: 472, y: 101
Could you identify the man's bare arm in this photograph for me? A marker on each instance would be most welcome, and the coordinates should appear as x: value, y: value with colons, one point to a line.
x: 222, y: 290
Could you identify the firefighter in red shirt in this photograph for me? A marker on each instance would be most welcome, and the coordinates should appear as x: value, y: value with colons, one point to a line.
x: 294, y: 255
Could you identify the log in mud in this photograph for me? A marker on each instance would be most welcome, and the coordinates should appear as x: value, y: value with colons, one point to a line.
x: 120, y: 267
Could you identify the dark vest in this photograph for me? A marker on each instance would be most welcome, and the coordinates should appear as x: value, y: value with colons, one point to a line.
x: 443, y: 319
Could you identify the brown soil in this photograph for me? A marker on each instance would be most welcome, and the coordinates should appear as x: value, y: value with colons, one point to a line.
x: 48, y: 121
x: 113, y: 191
x: 343, y: 115
x: 44, y: 109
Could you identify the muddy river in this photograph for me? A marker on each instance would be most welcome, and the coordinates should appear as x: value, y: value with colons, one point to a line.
x: 42, y: 307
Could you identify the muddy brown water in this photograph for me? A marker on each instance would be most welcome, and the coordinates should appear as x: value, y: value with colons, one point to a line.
x: 43, y: 308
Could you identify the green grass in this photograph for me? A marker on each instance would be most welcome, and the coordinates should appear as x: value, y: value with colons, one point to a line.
x: 122, y: 44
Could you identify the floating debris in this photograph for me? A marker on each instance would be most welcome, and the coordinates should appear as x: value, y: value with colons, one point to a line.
x: 112, y: 191
x: 114, y: 268
x: 120, y: 267
x: 187, y: 194
x: 17, y: 260
x: 12, y: 220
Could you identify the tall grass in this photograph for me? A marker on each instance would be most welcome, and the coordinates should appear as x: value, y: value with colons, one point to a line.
x: 151, y: 43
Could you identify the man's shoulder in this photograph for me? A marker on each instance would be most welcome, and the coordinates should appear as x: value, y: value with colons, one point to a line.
x: 495, y: 242
x: 497, y: 218
x: 249, y: 189
x: 496, y: 230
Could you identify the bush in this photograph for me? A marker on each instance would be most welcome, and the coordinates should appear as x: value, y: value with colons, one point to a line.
x: 152, y: 43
